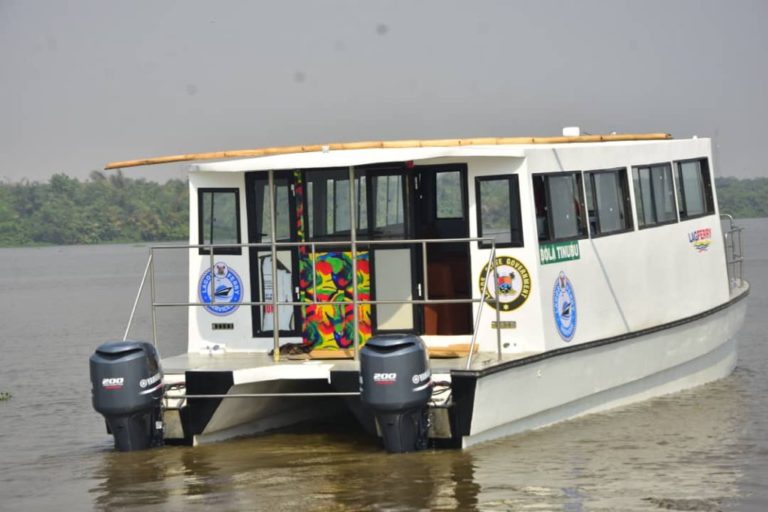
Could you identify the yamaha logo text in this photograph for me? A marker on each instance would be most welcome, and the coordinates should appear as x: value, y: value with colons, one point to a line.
x: 421, y: 377
x: 148, y: 382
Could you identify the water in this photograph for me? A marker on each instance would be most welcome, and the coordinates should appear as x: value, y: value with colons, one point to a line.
x: 704, y: 449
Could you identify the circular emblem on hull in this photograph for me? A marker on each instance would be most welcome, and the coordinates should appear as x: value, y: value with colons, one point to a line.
x: 564, y: 307
x: 513, y: 284
x: 227, y: 289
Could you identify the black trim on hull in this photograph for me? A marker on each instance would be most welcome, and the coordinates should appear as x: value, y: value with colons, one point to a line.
x: 594, y: 344
x: 463, y: 395
x: 199, y: 411
x: 347, y: 381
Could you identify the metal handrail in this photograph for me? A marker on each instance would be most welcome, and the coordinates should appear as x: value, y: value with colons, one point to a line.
x: 138, y: 295
x: 734, y: 251
x: 491, y: 261
x: 149, y: 275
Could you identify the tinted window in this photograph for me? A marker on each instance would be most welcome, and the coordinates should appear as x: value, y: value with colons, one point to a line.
x: 327, y: 199
x: 694, y: 189
x: 654, y: 194
x: 388, y: 204
x: 608, y: 201
x: 263, y: 221
x: 449, y: 195
x: 219, y: 219
x: 560, y: 212
x: 498, y: 200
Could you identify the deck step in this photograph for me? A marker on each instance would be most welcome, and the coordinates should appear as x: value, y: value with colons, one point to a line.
x: 453, y: 351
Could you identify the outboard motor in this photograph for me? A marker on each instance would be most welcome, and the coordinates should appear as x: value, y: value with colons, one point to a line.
x: 395, y: 381
x: 128, y: 390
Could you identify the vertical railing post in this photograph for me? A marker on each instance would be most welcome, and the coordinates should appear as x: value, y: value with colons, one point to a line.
x: 498, y: 304
x: 353, y: 239
x: 273, y: 247
x: 212, y: 283
x: 424, y: 272
x: 152, y: 295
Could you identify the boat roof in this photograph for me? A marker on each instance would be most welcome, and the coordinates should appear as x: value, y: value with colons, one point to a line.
x: 360, y: 153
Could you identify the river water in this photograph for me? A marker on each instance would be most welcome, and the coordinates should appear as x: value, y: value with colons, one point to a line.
x: 703, y: 449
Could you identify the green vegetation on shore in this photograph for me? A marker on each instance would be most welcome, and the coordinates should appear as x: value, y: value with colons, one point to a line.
x: 743, y: 198
x: 104, y: 208
x: 113, y: 208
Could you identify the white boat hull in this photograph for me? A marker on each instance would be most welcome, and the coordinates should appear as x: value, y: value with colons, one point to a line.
x: 599, y: 378
x: 499, y: 399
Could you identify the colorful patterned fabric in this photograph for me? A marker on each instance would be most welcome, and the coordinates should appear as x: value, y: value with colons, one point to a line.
x: 298, y: 191
x: 330, y: 325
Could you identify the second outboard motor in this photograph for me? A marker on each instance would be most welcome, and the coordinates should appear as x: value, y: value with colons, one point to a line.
x: 395, y: 381
x: 128, y: 390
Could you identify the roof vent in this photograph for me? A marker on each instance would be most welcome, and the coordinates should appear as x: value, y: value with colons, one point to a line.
x: 571, y: 131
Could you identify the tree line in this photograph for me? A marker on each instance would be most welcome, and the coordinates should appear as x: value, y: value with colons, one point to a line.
x: 113, y: 208
x: 746, y: 198
x: 104, y: 208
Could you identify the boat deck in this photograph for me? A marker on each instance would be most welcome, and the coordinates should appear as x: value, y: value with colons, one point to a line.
x: 246, y: 360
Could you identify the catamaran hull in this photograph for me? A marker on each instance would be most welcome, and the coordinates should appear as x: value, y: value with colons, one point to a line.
x: 208, y: 420
x: 549, y: 388
x: 501, y: 399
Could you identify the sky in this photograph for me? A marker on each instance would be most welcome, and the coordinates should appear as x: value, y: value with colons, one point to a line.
x: 86, y: 82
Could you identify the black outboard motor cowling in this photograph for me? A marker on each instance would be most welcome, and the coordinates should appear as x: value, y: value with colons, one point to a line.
x: 396, y: 382
x: 127, y: 386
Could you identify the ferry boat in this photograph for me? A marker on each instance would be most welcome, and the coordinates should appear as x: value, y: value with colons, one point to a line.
x: 446, y: 292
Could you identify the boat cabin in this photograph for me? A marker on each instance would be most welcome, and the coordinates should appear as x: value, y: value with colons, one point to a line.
x: 417, y: 236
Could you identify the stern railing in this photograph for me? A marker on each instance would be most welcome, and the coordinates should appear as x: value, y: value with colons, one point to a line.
x: 734, y: 251
x: 149, y: 276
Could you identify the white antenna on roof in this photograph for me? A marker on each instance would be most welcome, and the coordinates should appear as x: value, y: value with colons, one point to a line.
x: 571, y: 131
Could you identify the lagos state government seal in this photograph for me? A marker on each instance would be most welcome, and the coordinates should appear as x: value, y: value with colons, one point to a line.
x: 513, y: 284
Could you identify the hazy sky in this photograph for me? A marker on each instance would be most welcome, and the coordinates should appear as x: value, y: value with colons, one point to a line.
x: 87, y: 82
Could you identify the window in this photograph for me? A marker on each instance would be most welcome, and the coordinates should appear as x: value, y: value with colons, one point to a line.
x: 608, y: 202
x: 218, y: 218
x: 380, y: 206
x: 694, y: 189
x: 263, y: 221
x: 654, y: 195
x: 328, y: 204
x: 387, y: 193
x: 498, y: 200
x: 449, y: 195
x: 266, y: 284
x: 559, y: 199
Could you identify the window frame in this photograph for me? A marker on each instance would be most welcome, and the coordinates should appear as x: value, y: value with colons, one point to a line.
x: 653, y: 195
x: 399, y: 230
x: 709, y: 196
x: 312, y: 224
x: 257, y: 232
x: 627, y: 201
x: 462, y: 192
x: 550, y: 224
x: 513, y: 182
x: 200, y: 212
